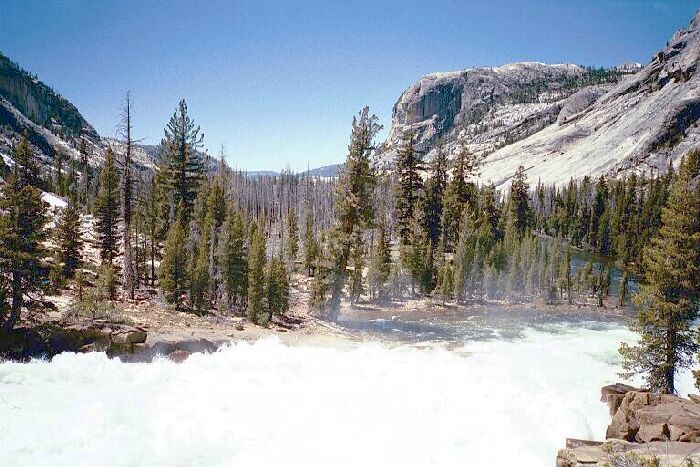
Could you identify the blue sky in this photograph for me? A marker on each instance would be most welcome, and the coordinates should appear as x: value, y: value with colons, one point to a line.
x: 277, y: 82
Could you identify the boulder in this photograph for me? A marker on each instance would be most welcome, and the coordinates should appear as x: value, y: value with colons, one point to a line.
x: 573, y: 443
x: 692, y: 437
x: 649, y: 433
x: 617, y: 388
x: 644, y: 417
x: 578, y: 102
x: 613, y: 394
x: 178, y: 356
x: 675, y: 433
x: 624, y: 453
x: 128, y: 335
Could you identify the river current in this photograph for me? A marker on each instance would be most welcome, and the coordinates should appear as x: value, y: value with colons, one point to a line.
x: 447, y: 390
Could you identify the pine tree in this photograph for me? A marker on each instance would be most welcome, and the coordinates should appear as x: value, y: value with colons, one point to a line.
x: 310, y: 245
x: 256, y: 274
x: 198, y: 251
x: 233, y: 262
x: 409, y: 184
x: 354, y: 209
x: 184, y: 165
x: 322, y: 267
x: 198, y: 269
x: 152, y: 216
x: 107, y: 210
x: 356, y: 277
x: 277, y: 288
x: 69, y: 241
x: 668, y: 300
x: 292, y: 237
x: 445, y: 283
x: 172, y: 272
x: 28, y: 173
x: 459, y: 193
x: 623, y: 289
x: 379, y: 267
x: 464, y: 258
x: 565, y: 275
x: 433, y: 204
x: 601, y: 194
x: 59, y: 183
x: 518, y: 206
x: 21, y: 237
x: 417, y: 262
x: 126, y: 189
x: 85, y: 178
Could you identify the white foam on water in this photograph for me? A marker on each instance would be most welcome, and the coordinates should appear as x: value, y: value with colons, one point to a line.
x: 496, y: 403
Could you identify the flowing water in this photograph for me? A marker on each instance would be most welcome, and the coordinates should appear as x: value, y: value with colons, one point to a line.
x: 449, y: 390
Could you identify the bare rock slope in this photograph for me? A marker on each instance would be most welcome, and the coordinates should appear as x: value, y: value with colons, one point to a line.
x: 560, y: 121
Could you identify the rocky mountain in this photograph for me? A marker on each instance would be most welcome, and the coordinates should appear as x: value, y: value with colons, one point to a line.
x: 332, y: 170
x: 52, y: 122
x: 55, y: 125
x: 559, y: 121
x: 39, y: 103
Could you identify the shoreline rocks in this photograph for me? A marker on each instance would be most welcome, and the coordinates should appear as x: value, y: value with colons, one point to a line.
x: 644, y: 427
x: 129, y: 343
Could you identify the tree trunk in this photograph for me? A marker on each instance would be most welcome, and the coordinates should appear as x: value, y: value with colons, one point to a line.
x: 128, y: 273
x: 337, y: 286
x: 16, y: 307
x: 670, y: 367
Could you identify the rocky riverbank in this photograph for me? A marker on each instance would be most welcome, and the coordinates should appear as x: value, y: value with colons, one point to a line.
x: 144, y: 328
x: 646, y: 430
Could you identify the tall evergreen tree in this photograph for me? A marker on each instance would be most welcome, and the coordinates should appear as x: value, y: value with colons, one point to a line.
x: 356, y: 276
x: 69, y: 239
x: 459, y: 193
x: 354, y: 209
x: 22, y: 235
x: 310, y: 244
x: 28, y: 172
x: 623, y: 289
x: 276, y: 288
x: 668, y: 300
x: 184, y: 165
x: 597, y: 211
x: 256, y: 273
x: 172, y: 272
x: 519, y: 213
x: 565, y: 275
x: 59, y: 183
x: 379, y: 266
x: 85, y: 175
x: 408, y: 187
x: 233, y: 262
x: 292, y: 237
x: 107, y: 210
x: 433, y: 204
x: 126, y: 189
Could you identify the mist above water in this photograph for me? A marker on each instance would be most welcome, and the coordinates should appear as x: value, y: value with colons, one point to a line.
x: 489, y: 402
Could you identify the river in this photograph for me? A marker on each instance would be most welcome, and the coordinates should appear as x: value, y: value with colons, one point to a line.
x: 492, y: 389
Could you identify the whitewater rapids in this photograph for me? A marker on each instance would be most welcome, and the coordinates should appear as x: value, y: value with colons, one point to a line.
x: 490, y: 403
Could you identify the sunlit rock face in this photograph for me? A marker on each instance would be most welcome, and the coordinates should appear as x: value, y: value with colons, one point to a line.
x: 557, y: 121
x: 489, y: 107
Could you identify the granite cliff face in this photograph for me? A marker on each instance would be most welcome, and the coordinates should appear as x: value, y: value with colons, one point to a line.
x: 39, y: 103
x: 560, y: 121
x: 490, y: 108
x: 52, y: 123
